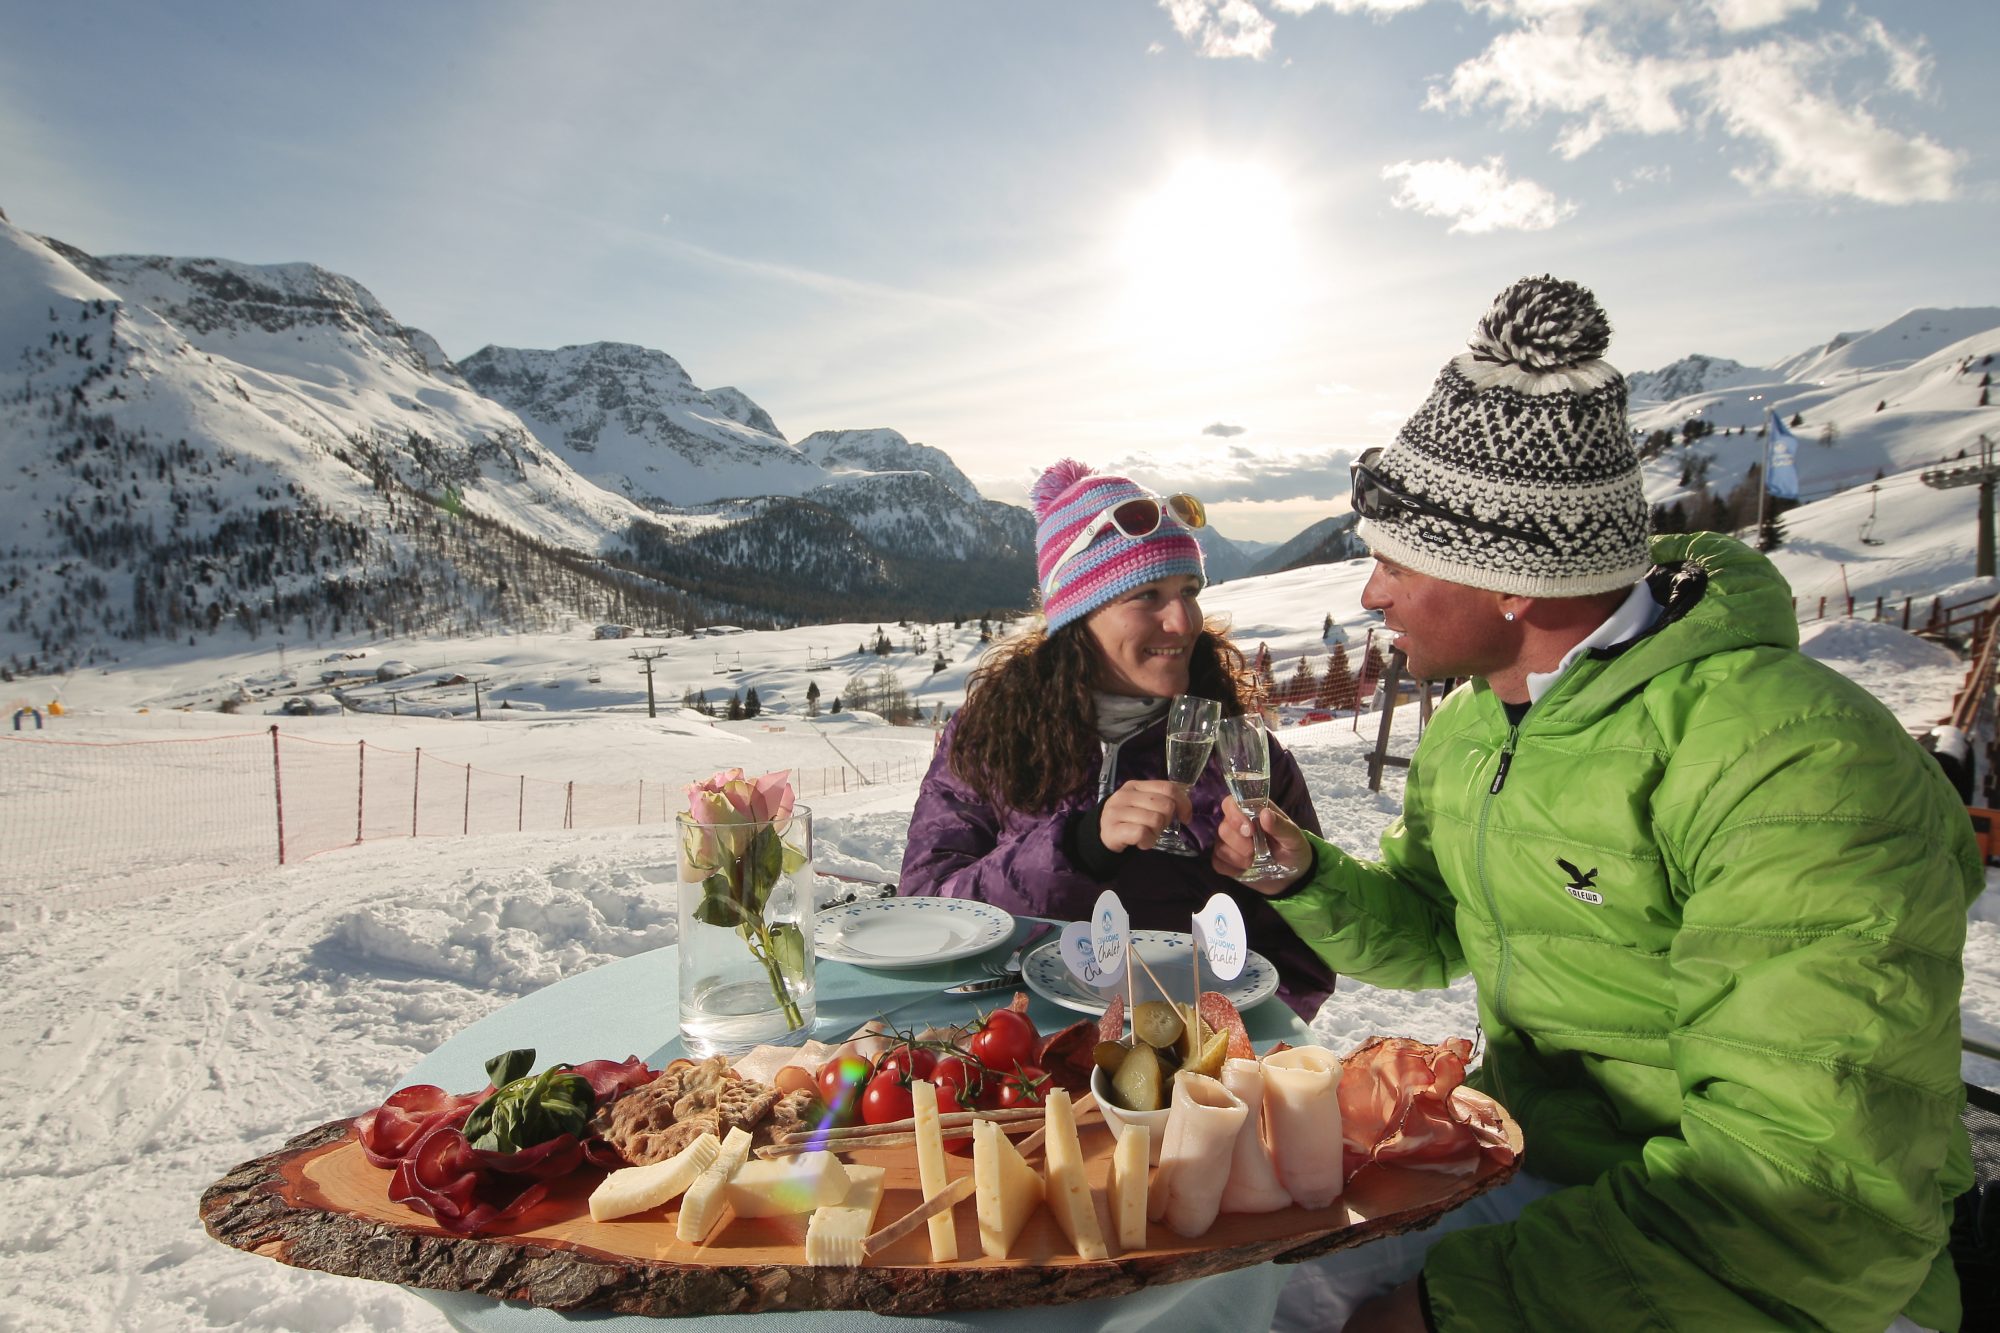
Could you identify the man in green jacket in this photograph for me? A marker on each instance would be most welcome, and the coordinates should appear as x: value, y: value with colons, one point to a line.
x: 1713, y: 895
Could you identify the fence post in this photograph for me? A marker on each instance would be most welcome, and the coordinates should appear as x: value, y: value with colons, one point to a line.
x: 361, y: 792
x: 1822, y: 609
x: 642, y: 802
x: 466, y: 826
x: 416, y: 781
x: 1850, y: 606
x: 521, y: 805
x: 569, y: 804
x: 1906, y: 613
x: 1878, y: 606
x: 278, y: 793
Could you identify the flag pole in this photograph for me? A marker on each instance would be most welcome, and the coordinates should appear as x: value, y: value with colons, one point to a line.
x: 1764, y: 474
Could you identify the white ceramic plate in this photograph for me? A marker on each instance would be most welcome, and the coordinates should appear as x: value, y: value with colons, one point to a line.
x: 909, y: 932
x: 1166, y: 952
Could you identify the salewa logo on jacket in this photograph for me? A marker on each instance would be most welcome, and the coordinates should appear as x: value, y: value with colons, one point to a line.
x: 1580, y: 882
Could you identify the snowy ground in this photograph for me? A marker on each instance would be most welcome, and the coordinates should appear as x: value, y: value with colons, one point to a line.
x: 152, y: 1044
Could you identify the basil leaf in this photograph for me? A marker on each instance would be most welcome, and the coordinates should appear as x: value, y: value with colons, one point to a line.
x: 529, y: 1110
x: 507, y: 1066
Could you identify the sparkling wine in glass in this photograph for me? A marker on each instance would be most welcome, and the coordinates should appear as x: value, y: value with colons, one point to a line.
x: 1190, y: 736
x: 1245, y: 752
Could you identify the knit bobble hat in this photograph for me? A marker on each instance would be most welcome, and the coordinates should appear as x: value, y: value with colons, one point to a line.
x: 1069, y: 497
x: 1521, y: 462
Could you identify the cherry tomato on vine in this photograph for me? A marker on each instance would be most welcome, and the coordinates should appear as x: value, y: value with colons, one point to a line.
x: 962, y: 1075
x: 1024, y: 1085
x: 908, y: 1061
x: 1006, y: 1038
x: 840, y: 1084
x: 947, y: 1102
x: 886, y: 1098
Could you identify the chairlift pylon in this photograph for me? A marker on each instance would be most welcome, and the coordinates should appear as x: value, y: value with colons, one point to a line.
x: 1868, y: 537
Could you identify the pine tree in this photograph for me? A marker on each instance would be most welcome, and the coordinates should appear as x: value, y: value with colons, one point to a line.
x: 1303, y: 684
x: 812, y: 699
x: 735, y: 713
x: 752, y: 705
x: 1341, y: 693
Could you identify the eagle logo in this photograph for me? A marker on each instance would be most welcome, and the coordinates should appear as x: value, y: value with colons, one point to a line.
x: 1580, y: 882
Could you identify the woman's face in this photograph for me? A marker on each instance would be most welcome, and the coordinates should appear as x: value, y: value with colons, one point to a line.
x: 1144, y: 637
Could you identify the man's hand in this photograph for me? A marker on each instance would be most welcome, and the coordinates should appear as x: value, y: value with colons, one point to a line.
x: 1235, y: 845
x: 1137, y: 812
x: 1398, y: 1311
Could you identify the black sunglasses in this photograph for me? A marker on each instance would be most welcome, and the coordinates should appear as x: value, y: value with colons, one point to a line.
x: 1374, y: 497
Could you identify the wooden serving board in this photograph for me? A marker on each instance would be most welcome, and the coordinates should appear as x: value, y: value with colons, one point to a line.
x: 318, y: 1203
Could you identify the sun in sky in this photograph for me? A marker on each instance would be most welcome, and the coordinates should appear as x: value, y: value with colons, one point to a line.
x: 1210, y: 261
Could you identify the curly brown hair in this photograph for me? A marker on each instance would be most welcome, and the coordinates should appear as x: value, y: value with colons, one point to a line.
x: 1027, y: 736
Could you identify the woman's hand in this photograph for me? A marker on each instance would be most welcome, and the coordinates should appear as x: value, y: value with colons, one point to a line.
x: 1136, y: 813
x: 1235, y: 845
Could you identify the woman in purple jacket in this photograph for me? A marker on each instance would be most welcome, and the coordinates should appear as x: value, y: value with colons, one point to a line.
x: 1050, y: 784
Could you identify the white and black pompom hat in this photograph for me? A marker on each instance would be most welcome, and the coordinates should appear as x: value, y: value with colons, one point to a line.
x: 1518, y: 473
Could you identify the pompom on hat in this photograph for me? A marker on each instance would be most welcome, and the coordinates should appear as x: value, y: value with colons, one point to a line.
x: 1067, y: 499
x: 1518, y: 473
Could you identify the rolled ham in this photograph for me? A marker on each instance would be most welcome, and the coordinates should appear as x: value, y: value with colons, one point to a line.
x: 1302, y: 1114
x: 1253, y: 1182
x: 1202, y: 1125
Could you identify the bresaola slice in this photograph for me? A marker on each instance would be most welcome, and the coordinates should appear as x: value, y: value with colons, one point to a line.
x: 1302, y: 1114
x: 1397, y: 1107
x: 1253, y: 1183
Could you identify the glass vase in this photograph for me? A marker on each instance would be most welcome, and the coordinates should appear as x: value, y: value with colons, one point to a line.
x: 746, y: 922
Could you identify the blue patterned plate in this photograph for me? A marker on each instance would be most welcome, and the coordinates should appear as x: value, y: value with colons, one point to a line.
x: 909, y: 932
x: 1167, y: 953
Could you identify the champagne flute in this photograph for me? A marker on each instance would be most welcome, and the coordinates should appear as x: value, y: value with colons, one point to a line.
x: 1190, y: 736
x: 1246, y: 765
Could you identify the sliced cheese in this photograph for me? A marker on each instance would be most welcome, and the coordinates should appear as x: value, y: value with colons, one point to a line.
x: 1007, y: 1189
x: 931, y: 1169
x: 834, y: 1238
x: 783, y: 1186
x: 836, y: 1232
x: 1068, y: 1187
x: 1129, y: 1173
x: 637, y: 1188
x: 702, y: 1204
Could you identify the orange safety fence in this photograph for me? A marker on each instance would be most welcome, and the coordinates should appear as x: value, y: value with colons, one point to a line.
x: 90, y: 824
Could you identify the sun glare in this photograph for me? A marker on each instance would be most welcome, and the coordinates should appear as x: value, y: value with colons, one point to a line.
x: 1211, y: 258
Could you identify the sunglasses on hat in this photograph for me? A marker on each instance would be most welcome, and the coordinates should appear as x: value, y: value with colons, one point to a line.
x: 1135, y: 518
x: 1374, y: 496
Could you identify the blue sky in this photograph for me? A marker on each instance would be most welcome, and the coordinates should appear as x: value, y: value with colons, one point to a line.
x: 1221, y: 243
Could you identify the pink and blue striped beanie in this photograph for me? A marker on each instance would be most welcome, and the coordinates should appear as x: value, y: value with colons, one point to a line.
x: 1066, y: 498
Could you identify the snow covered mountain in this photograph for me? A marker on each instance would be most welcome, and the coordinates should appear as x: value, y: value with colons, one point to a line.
x: 1689, y: 375
x: 196, y: 446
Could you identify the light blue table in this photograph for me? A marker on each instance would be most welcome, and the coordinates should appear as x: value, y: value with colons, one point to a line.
x: 627, y: 1008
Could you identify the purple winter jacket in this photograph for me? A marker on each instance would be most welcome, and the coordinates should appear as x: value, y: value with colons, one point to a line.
x: 961, y: 847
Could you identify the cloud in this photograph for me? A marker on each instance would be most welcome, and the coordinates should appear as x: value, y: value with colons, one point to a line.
x: 1817, y: 145
x: 1746, y: 15
x: 1239, y: 473
x: 1801, y: 101
x: 1222, y: 429
x: 1476, y: 199
x: 1333, y: 390
x: 1222, y: 29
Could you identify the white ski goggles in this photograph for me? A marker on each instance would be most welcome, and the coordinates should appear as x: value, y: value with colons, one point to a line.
x: 1138, y: 517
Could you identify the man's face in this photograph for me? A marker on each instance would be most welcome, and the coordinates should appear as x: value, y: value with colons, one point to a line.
x: 1444, y: 629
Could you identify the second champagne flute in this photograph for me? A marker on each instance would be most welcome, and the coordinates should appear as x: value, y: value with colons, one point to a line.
x: 1246, y: 763
x: 1190, y: 736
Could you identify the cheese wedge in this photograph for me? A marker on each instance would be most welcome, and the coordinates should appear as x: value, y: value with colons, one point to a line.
x: 1069, y: 1193
x: 786, y: 1185
x: 1129, y: 1174
x: 702, y: 1205
x: 637, y: 1188
x: 1008, y: 1190
x: 931, y: 1171
x: 836, y: 1231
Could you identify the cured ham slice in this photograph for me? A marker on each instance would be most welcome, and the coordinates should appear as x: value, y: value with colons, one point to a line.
x: 1397, y: 1106
x: 1302, y: 1112
x: 1202, y: 1124
x: 1253, y: 1182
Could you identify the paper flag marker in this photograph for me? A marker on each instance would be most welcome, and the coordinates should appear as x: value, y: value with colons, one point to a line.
x: 1219, y: 934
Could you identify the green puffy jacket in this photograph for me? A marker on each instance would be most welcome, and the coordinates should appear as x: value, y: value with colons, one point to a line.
x: 1714, y: 897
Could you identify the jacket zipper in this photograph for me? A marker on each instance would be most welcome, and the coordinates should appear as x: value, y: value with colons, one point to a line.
x: 1486, y: 886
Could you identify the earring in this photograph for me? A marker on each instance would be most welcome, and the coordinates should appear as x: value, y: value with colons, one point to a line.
x: 1506, y: 615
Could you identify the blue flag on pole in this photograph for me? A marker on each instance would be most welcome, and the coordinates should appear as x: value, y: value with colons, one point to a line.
x: 1781, y: 477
